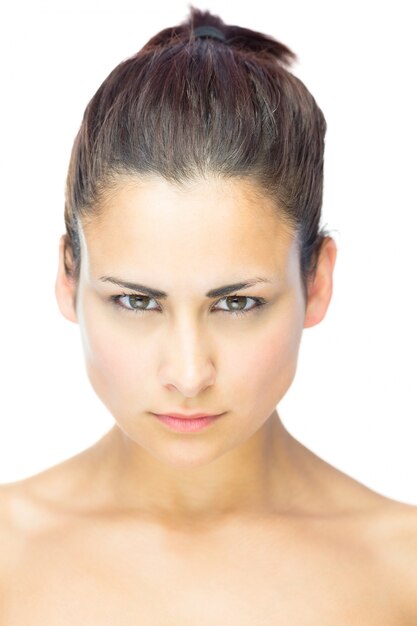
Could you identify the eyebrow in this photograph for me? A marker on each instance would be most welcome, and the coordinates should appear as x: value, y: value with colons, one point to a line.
x: 212, y: 293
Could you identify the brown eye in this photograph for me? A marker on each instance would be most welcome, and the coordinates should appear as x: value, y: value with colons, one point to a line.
x: 135, y: 303
x: 236, y: 304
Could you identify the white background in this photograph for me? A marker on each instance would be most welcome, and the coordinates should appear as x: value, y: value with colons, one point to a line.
x: 353, y: 400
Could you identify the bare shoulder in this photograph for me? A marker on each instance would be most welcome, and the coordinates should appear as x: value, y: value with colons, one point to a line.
x: 389, y: 529
x: 394, y: 531
x: 396, y: 528
x: 11, y: 540
x: 24, y: 517
x: 385, y: 532
x: 29, y: 509
x: 8, y: 507
x: 16, y: 517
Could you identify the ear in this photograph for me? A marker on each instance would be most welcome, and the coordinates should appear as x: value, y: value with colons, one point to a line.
x: 65, y: 286
x: 321, y: 286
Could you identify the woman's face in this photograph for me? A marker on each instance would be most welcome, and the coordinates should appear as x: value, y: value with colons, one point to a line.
x: 186, y: 351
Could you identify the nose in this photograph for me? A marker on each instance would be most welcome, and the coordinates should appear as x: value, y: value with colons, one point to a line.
x: 187, y: 364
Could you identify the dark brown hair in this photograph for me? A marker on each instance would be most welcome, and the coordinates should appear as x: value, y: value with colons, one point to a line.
x: 187, y: 106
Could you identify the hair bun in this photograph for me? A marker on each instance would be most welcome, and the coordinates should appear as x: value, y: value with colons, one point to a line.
x: 243, y: 39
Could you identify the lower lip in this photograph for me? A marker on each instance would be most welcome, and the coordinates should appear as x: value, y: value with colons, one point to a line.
x: 187, y: 425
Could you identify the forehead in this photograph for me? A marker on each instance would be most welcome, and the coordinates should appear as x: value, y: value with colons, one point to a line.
x: 199, y: 224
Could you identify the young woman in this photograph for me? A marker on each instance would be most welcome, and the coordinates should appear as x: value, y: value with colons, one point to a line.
x: 192, y: 261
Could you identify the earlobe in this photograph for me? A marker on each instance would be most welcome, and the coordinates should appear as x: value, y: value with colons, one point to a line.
x: 321, y: 287
x: 65, y: 286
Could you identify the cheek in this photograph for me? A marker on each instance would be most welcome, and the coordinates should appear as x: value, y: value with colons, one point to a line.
x: 117, y: 363
x: 264, y: 365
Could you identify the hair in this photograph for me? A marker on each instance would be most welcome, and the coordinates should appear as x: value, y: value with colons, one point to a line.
x: 186, y: 106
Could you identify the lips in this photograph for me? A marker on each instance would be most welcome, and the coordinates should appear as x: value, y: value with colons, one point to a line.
x: 185, y: 416
x: 187, y: 424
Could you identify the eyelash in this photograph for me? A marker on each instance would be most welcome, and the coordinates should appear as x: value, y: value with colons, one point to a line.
x: 259, y: 303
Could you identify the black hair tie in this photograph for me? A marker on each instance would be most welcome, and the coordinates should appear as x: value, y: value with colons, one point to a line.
x: 209, y: 31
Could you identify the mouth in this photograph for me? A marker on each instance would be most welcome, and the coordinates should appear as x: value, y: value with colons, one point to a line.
x: 186, y: 416
x: 189, y: 423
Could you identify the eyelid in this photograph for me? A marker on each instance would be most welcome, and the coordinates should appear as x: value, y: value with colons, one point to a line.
x: 258, y: 302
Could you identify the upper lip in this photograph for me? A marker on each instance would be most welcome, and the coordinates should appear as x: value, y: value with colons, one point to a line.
x: 188, y: 416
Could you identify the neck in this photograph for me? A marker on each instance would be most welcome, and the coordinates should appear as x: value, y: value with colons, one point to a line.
x: 259, y: 476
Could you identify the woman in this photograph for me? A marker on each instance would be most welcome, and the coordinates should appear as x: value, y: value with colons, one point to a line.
x: 192, y: 262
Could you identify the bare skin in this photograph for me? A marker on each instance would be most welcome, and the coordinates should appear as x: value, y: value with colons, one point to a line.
x: 71, y: 554
x: 238, y: 523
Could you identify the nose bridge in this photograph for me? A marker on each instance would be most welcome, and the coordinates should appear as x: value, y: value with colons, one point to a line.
x: 186, y: 356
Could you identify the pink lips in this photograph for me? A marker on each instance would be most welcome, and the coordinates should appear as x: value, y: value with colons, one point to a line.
x: 185, y: 415
x: 187, y: 424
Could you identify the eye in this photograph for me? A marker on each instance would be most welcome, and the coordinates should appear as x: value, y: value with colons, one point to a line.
x: 137, y: 303
x: 237, y: 309
x: 132, y: 301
